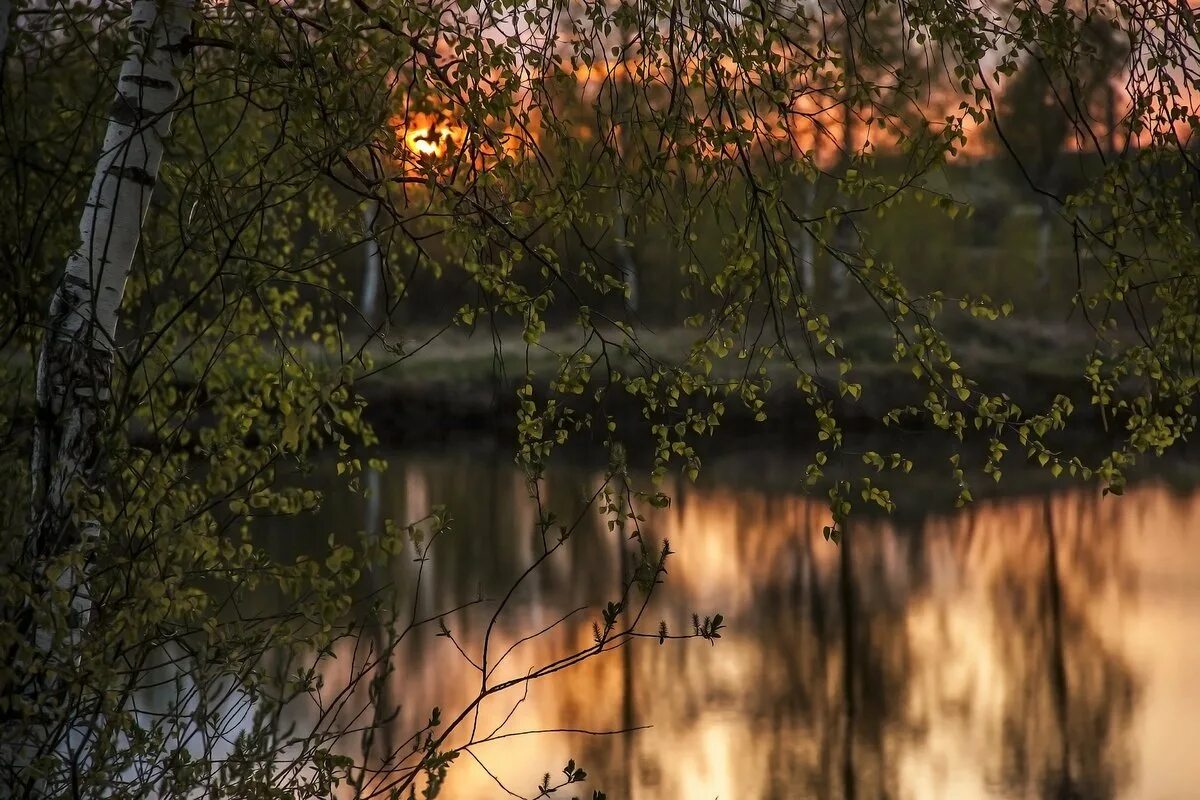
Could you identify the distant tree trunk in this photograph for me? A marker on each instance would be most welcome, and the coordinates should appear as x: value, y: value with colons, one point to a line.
x: 372, y: 267
x: 629, y: 270
x: 75, y: 366
x: 802, y: 249
x: 625, y: 258
x: 373, y: 511
x: 849, y: 612
x: 1047, y: 204
x: 628, y: 702
x: 1110, y: 116
x: 844, y: 237
x: 1045, y: 229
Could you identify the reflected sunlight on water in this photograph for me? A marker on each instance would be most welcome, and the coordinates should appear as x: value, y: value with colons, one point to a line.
x: 1039, y: 647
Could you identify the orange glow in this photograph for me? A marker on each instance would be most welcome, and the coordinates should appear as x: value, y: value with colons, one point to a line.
x: 950, y: 614
x: 429, y: 135
x: 810, y: 126
x: 431, y: 142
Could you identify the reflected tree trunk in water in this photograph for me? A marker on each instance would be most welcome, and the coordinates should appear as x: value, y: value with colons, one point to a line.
x: 383, y: 644
x: 948, y: 630
x: 848, y: 612
x: 627, y: 666
x: 1068, y: 695
x: 817, y: 608
x: 1058, y: 666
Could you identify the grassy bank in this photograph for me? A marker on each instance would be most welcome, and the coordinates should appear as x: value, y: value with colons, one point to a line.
x: 466, y: 383
x: 437, y: 385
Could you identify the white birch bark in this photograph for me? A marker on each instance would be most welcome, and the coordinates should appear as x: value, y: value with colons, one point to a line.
x: 75, y: 366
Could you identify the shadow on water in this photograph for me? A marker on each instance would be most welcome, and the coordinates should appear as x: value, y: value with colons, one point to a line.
x: 1030, y: 647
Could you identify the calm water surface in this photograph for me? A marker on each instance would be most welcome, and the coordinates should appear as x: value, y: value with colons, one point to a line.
x: 1043, y: 646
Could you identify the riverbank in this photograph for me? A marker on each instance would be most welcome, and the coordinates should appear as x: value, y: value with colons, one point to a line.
x: 434, y: 387
x: 459, y: 384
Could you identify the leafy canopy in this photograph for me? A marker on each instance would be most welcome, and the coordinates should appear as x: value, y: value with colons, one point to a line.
x: 499, y: 143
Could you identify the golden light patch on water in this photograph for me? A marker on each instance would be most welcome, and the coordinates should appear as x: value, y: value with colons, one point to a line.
x: 1024, y: 646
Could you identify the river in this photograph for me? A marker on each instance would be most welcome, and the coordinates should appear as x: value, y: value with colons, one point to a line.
x: 1035, y: 646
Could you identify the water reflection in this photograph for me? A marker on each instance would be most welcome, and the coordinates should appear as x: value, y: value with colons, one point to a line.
x: 1038, y: 647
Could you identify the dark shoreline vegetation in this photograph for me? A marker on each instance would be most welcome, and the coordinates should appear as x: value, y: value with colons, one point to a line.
x: 452, y: 385
x: 452, y: 388
x: 464, y: 382
x: 446, y: 391
x: 772, y: 464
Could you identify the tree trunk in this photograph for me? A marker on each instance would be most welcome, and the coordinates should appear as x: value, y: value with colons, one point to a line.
x: 75, y: 366
x: 372, y: 267
x: 802, y: 247
x: 1110, y: 116
x: 845, y: 237
x: 629, y: 270
x: 1045, y: 234
x: 624, y: 105
x: 1046, y: 221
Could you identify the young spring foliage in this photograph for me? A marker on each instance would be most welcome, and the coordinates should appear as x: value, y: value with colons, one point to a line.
x: 507, y: 150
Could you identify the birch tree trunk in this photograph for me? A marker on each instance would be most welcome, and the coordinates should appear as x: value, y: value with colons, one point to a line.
x: 75, y: 365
